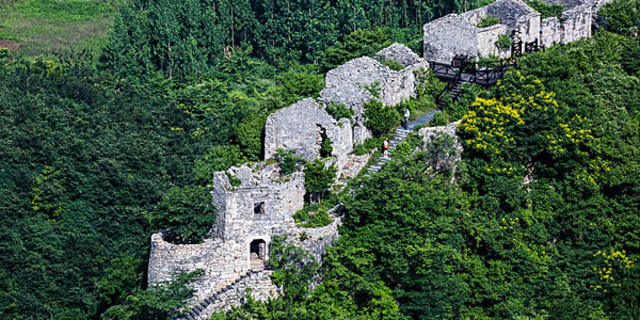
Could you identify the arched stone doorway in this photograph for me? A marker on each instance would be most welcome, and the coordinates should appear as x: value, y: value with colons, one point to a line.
x: 257, y: 254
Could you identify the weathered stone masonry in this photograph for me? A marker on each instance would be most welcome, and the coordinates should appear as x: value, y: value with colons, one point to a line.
x: 457, y: 34
x: 263, y: 204
x: 249, y: 215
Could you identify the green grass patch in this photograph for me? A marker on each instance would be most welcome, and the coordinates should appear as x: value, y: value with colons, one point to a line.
x: 51, y: 28
x: 4, y: 34
x: 67, y: 10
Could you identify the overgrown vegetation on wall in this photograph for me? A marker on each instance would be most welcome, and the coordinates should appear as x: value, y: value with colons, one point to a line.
x: 542, y: 222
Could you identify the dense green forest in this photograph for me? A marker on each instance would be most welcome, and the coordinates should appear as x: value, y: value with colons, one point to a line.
x: 103, y: 145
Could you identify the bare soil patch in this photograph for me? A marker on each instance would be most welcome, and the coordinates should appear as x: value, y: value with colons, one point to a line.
x: 11, y: 45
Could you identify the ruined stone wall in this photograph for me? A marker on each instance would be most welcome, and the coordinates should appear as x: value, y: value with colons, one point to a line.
x: 444, y: 159
x: 577, y: 23
x: 453, y: 34
x: 400, y: 54
x: 298, y: 128
x: 487, y: 38
x: 221, y: 262
x: 258, y: 285
x: 428, y: 134
x: 353, y: 82
x: 510, y: 12
x: 316, y: 240
x: 528, y: 27
x: 448, y: 36
x: 551, y: 31
x: 364, y: 79
x: 260, y: 183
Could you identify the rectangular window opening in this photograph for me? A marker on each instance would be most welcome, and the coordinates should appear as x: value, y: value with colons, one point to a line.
x: 258, y: 208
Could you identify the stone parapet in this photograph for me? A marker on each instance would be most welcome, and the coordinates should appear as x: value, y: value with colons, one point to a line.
x: 220, y: 261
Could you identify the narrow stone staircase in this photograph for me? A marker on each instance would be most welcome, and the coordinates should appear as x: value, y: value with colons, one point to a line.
x: 194, y: 313
x: 399, y: 135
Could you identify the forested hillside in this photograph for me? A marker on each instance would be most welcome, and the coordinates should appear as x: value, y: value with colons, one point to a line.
x: 103, y: 146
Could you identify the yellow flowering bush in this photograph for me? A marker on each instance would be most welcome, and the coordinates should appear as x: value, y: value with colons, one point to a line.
x: 523, y: 128
x: 612, y: 266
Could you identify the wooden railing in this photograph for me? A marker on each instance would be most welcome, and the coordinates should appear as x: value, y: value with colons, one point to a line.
x: 485, y: 73
x: 443, y: 69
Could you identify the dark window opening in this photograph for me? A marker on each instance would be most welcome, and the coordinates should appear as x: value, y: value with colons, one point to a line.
x: 258, y: 208
x: 324, y: 143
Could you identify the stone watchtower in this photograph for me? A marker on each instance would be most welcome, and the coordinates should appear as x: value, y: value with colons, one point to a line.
x: 261, y: 203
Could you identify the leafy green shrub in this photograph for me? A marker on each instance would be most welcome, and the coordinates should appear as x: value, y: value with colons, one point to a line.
x: 427, y: 83
x: 233, y: 180
x: 187, y: 212
x: 488, y: 21
x: 326, y: 147
x: 300, y: 81
x: 4, y: 53
x: 294, y: 268
x: 392, y: 64
x: 368, y: 145
x: 220, y: 158
x: 504, y: 41
x: 373, y: 88
x: 318, y: 178
x: 312, y: 216
x: 545, y: 9
x: 356, y: 44
x: 380, y: 119
x: 455, y: 110
x: 288, y: 161
x: 249, y: 133
x: 8, y: 36
x: 164, y: 300
x: 630, y: 61
x: 440, y: 119
x: 622, y: 16
x: 339, y: 111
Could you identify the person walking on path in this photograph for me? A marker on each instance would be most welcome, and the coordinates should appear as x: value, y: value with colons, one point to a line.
x: 407, y: 114
x: 385, y: 148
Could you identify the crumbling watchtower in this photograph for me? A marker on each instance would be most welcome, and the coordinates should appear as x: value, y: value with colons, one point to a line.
x: 254, y: 203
